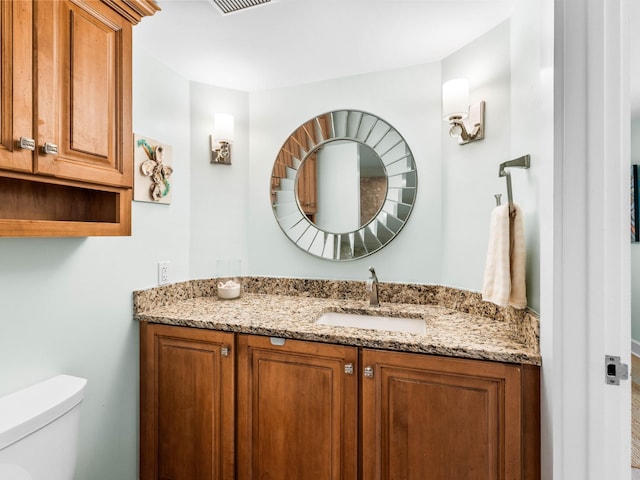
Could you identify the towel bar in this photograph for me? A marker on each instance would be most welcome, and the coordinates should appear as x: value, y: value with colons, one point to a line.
x: 521, y: 162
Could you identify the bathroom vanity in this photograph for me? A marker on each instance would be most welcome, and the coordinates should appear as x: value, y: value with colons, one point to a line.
x: 256, y: 388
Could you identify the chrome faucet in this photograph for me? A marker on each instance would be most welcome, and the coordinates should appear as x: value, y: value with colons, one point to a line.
x: 372, y: 288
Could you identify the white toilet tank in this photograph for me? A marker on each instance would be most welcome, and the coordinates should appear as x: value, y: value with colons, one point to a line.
x: 39, y: 430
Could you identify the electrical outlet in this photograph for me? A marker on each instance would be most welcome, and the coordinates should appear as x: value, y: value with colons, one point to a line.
x: 163, y: 273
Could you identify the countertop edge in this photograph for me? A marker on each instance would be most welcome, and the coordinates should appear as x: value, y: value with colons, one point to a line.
x: 482, y: 354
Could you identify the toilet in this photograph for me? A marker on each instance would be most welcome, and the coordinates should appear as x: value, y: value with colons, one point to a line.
x: 39, y: 430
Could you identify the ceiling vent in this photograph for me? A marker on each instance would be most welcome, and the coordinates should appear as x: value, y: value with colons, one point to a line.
x: 230, y: 6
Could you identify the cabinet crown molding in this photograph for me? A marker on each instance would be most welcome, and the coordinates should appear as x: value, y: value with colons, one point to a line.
x: 133, y: 10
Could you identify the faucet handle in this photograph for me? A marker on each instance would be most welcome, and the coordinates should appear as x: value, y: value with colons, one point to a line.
x: 373, y: 277
x: 372, y: 288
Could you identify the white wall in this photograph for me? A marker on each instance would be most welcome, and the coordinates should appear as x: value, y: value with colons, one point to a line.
x: 470, y: 172
x: 503, y: 69
x: 218, y: 192
x: 66, y: 303
x: 526, y: 131
x: 409, y: 99
x: 445, y: 240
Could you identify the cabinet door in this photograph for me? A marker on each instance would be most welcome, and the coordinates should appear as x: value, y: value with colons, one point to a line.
x: 16, y: 87
x: 84, y: 92
x: 436, y: 418
x: 186, y: 404
x: 297, y: 410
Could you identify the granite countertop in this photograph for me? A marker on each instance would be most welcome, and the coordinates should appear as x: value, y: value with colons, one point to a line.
x: 449, y: 331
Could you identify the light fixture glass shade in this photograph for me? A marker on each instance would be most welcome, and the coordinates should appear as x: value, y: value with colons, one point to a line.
x: 455, y: 98
x: 223, y: 127
x: 455, y: 130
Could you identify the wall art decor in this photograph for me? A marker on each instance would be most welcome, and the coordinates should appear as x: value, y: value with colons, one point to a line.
x: 152, y: 170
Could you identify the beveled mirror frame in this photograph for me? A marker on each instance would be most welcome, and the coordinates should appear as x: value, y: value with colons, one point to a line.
x: 400, y: 170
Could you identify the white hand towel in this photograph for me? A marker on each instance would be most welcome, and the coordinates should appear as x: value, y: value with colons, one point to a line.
x: 518, y: 260
x: 504, y: 275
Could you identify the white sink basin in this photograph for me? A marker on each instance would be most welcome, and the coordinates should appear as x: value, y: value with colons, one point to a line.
x: 392, y: 324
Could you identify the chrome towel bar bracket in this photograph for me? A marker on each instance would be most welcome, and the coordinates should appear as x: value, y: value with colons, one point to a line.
x: 521, y: 162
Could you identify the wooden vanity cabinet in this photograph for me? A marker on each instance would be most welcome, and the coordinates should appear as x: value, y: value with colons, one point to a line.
x: 66, y: 148
x: 309, y: 410
x: 187, y: 397
x: 297, y: 410
x: 438, y: 418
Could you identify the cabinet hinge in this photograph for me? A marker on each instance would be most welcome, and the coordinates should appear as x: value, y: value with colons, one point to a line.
x: 224, y: 351
x: 614, y: 370
x: 348, y: 368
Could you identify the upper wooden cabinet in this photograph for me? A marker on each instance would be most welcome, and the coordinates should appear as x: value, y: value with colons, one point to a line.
x: 84, y: 92
x: 16, y: 86
x: 66, y: 153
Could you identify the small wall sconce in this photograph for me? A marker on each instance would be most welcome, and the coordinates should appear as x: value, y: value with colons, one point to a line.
x: 467, y: 121
x: 221, y: 139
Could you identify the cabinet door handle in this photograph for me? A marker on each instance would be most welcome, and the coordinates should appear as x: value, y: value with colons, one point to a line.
x: 368, y: 372
x: 348, y: 368
x: 224, y: 351
x: 49, y: 148
x: 26, y: 143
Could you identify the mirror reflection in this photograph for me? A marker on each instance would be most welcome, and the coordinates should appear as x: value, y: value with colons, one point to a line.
x: 343, y: 185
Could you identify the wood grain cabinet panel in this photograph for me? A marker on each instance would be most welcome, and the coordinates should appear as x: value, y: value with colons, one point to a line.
x: 308, y: 410
x: 435, y: 418
x: 84, y: 92
x: 187, y: 399
x: 16, y: 87
x: 297, y: 410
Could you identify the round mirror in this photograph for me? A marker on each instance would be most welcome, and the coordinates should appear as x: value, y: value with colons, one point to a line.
x: 343, y: 185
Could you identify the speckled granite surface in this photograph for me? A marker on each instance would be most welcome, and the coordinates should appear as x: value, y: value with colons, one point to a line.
x: 458, y: 322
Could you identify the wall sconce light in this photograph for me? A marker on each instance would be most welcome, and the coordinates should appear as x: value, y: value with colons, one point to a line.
x: 467, y: 121
x: 222, y: 138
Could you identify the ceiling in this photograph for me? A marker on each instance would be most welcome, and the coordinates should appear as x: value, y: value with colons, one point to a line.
x: 293, y: 42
